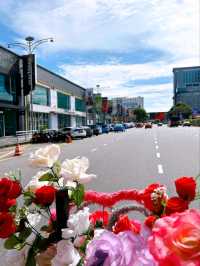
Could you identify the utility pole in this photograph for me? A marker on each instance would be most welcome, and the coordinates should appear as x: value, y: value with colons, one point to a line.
x: 29, y: 46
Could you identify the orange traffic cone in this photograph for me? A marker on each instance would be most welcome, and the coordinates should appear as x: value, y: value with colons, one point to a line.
x: 68, y: 139
x: 18, y: 150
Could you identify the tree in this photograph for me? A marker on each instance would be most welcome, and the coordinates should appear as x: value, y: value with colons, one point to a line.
x: 140, y: 114
x: 180, y: 111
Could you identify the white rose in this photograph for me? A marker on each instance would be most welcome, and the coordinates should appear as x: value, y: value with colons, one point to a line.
x: 66, y: 255
x: 67, y: 233
x: 79, y: 222
x: 34, y: 218
x: 45, y: 157
x: 75, y: 170
x: 34, y: 183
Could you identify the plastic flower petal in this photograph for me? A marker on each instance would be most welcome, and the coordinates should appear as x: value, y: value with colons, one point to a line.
x: 175, y: 239
x: 75, y: 170
x: 45, y: 157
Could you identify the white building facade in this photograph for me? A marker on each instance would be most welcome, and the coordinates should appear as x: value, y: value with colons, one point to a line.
x: 122, y: 104
x: 57, y: 102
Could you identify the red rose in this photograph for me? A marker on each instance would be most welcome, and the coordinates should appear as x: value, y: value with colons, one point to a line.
x: 15, y: 190
x: 5, y: 204
x: 45, y: 195
x: 7, y: 225
x: 175, y: 204
x: 186, y: 188
x: 150, y: 220
x: 5, y: 185
x: 124, y: 224
x: 99, y: 216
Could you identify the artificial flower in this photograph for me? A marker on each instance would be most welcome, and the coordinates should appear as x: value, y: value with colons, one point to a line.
x: 186, y: 188
x: 35, y: 183
x: 7, y: 225
x: 10, y: 189
x: 99, y: 216
x: 75, y: 170
x: 6, y: 204
x: 34, y: 219
x: 123, y: 249
x: 150, y: 220
x: 125, y: 224
x: 66, y: 255
x: 153, y: 197
x: 175, y: 239
x: 45, y: 157
x: 175, y: 204
x: 45, y: 195
x: 78, y: 223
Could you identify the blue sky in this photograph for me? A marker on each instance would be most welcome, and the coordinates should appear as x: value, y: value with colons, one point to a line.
x: 129, y: 47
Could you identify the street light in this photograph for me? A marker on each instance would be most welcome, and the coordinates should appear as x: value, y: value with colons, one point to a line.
x: 29, y: 46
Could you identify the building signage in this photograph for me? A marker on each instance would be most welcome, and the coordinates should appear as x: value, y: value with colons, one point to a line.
x: 29, y: 73
x: 105, y: 105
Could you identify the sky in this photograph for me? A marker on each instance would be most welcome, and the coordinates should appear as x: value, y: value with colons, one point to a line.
x: 128, y: 47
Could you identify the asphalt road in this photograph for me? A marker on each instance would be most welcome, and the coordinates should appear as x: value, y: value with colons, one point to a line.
x: 134, y: 158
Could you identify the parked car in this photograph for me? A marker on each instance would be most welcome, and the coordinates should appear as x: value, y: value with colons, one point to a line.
x: 173, y: 123
x: 148, y: 125
x: 160, y: 124
x: 186, y: 124
x: 78, y: 132
x: 89, y: 131
x: 119, y: 128
x: 139, y: 125
x: 105, y: 129
x: 67, y: 130
x: 97, y: 130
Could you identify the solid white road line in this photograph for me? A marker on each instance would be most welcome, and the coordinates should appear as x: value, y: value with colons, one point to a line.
x: 93, y: 150
x: 160, y: 169
x: 158, y: 155
x: 105, y: 144
x: 157, y: 147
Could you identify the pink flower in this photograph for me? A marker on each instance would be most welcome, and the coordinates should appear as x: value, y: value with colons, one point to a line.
x: 123, y: 249
x: 175, y: 239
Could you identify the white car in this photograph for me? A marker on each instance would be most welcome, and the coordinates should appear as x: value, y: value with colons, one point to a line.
x: 78, y: 133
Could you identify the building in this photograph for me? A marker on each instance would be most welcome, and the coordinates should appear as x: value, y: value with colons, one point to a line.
x: 56, y: 101
x: 187, y: 87
x: 121, y: 105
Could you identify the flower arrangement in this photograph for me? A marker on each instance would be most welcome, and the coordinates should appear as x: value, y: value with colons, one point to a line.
x: 48, y: 222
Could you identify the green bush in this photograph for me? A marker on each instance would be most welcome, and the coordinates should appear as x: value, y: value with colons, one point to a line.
x: 195, y: 122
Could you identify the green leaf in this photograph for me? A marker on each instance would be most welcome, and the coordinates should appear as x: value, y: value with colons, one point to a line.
x: 31, y: 258
x: 25, y: 234
x: 19, y: 246
x: 13, y: 208
x: 57, y: 168
x: 29, y: 194
x: 48, y: 177
x: 11, y: 242
x: 78, y: 194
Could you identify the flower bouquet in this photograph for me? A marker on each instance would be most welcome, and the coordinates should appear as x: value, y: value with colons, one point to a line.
x: 51, y: 223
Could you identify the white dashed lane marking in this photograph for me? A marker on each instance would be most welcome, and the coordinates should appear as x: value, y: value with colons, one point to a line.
x: 158, y: 155
x: 93, y: 150
x: 157, y: 147
x: 160, y: 169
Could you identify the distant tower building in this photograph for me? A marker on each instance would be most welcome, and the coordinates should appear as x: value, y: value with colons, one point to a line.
x: 187, y: 87
x: 125, y: 103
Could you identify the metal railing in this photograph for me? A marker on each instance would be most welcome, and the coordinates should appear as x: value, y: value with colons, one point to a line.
x: 24, y: 136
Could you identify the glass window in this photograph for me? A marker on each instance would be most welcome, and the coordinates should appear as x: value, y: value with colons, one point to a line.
x: 80, y: 121
x: 41, y: 96
x: 40, y: 121
x: 63, y: 101
x: 64, y: 120
x: 79, y: 105
x: 5, y: 94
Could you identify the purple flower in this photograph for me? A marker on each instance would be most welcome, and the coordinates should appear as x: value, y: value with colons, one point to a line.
x: 123, y: 249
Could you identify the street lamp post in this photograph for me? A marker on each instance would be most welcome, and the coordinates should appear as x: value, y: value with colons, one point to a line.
x: 29, y: 46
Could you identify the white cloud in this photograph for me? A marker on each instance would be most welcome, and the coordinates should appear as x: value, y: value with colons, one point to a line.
x: 113, y: 79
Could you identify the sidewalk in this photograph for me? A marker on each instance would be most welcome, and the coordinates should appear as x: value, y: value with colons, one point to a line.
x: 12, y: 141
